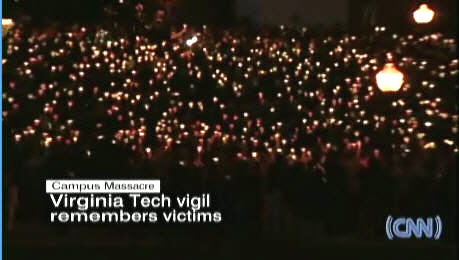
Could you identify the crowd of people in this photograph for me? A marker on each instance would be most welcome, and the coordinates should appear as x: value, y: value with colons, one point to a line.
x: 274, y: 123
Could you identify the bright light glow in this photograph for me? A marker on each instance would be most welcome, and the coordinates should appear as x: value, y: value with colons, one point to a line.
x: 6, y: 22
x: 423, y: 14
x: 192, y: 41
x: 389, y: 79
x: 6, y: 25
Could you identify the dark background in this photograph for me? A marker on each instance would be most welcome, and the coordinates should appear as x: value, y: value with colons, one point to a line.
x: 353, y: 15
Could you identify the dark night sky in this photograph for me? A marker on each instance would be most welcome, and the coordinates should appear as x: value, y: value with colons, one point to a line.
x: 326, y: 12
x: 349, y: 13
x: 330, y: 12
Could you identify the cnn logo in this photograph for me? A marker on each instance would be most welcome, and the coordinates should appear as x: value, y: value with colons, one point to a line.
x: 405, y: 228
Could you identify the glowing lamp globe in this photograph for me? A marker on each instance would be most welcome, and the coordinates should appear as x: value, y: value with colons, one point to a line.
x: 389, y: 79
x: 423, y: 14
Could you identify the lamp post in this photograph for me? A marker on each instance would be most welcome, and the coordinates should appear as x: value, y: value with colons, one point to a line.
x: 389, y: 80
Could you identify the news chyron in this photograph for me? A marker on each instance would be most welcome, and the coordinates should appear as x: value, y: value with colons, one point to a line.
x: 125, y: 201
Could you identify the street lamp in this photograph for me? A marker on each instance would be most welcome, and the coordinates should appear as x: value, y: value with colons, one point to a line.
x: 389, y: 79
x: 423, y: 15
